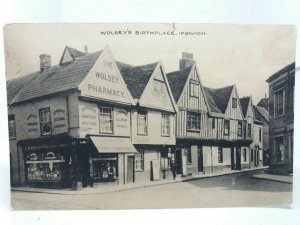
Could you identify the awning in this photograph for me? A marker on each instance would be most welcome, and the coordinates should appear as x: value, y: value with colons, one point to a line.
x: 113, y: 144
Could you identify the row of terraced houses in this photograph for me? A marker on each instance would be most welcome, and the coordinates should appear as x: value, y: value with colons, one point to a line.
x: 94, y: 121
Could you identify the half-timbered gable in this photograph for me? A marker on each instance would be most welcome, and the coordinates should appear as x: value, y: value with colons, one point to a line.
x: 248, y: 113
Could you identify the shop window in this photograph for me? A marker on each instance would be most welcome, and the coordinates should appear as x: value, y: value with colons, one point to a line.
x: 245, y: 154
x: 280, y: 150
x: 234, y: 103
x: 142, y: 128
x: 45, y: 166
x: 165, y: 125
x: 139, y: 160
x: 194, y: 88
x: 220, y: 155
x: 188, y: 153
x: 45, y: 121
x: 226, y: 127
x: 105, y: 168
x: 260, y: 134
x: 193, y: 121
x: 11, y: 126
x: 249, y: 130
x: 106, y: 120
x: 240, y: 129
x: 279, y: 103
x: 159, y: 87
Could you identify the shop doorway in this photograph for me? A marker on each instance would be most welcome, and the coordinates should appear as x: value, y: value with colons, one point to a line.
x: 232, y: 158
x: 200, y: 159
x: 178, y: 158
x: 130, y: 169
x: 238, y: 159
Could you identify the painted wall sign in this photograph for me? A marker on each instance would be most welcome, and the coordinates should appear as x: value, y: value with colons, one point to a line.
x: 59, y: 120
x: 104, y: 81
x: 89, y: 123
x: 121, y: 122
x: 32, y: 123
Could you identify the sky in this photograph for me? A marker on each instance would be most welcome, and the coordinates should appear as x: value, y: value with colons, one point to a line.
x: 244, y: 55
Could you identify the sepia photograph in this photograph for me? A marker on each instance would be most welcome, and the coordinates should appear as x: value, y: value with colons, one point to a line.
x: 150, y: 116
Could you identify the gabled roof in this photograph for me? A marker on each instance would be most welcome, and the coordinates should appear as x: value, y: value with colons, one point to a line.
x: 56, y: 79
x: 261, y: 112
x: 264, y: 102
x: 136, y: 77
x: 285, y: 69
x: 177, y: 80
x: 218, y: 98
x: 75, y: 53
x: 244, y: 105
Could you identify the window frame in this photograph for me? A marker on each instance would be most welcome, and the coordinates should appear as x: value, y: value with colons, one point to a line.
x: 245, y: 154
x: 167, y: 125
x: 42, y: 123
x: 188, y: 154
x: 145, y: 115
x: 280, y: 158
x: 14, y: 127
x: 276, y: 92
x: 111, y: 119
x: 226, y: 122
x: 220, y: 155
x: 234, y: 103
x: 260, y: 134
x: 196, y: 121
x: 240, y: 129
x: 194, y: 88
x: 249, y: 130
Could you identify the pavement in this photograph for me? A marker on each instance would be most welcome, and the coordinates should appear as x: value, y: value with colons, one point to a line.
x: 272, y: 177
x: 118, y: 188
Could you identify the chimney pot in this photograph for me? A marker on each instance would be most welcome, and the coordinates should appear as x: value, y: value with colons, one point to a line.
x: 186, y: 60
x: 45, y: 62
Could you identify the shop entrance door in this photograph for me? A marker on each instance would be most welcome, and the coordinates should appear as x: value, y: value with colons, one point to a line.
x: 238, y: 158
x: 200, y: 159
x: 232, y: 158
x: 130, y: 169
x: 178, y: 158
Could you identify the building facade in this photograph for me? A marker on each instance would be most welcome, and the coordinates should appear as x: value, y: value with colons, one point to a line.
x: 281, y: 109
x: 209, y: 134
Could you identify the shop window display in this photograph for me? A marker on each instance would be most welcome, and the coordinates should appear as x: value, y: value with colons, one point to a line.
x: 105, y: 169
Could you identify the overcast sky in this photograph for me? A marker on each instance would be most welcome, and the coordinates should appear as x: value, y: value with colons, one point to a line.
x: 245, y: 55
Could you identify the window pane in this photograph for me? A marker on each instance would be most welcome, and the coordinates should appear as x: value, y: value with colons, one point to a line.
x: 106, y: 120
x: 142, y: 124
x: 45, y: 121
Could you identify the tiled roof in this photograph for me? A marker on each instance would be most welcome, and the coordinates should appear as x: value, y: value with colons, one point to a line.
x: 244, y: 105
x: 75, y: 53
x: 55, y: 79
x: 136, y: 77
x: 261, y: 112
x: 264, y: 102
x: 177, y: 80
x: 218, y: 98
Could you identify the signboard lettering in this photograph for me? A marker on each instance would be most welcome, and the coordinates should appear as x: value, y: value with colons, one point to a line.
x: 59, y: 118
x: 32, y: 123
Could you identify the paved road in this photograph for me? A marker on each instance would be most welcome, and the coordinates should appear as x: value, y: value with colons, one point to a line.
x: 225, y: 191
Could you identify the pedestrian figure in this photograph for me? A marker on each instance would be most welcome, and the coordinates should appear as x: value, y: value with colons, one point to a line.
x: 173, y: 169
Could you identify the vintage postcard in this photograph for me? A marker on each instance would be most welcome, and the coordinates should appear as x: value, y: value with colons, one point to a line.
x: 141, y: 116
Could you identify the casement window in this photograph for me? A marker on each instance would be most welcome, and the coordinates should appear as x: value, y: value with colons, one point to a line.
x: 45, y: 121
x: 106, y: 119
x: 260, y: 134
x: 220, y: 155
x: 142, y: 126
x: 139, y: 160
x: 226, y: 127
x: 165, y: 124
x: 159, y: 87
x: 240, y: 129
x: 249, y: 130
x: 280, y: 150
x: 234, y: 103
x: 194, y: 88
x: 245, y: 154
x: 193, y: 121
x: 11, y: 126
x: 279, y: 103
x: 188, y: 153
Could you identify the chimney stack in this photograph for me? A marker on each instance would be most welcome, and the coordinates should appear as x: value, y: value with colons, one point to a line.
x: 45, y: 62
x: 86, y: 49
x: 186, y: 60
